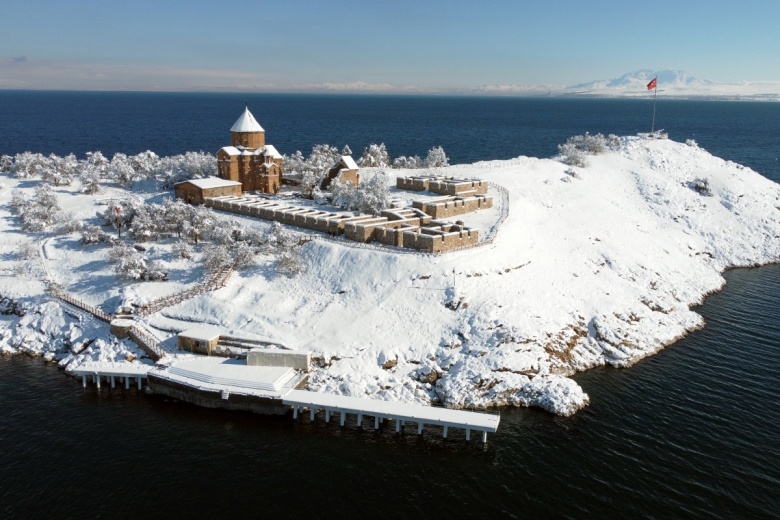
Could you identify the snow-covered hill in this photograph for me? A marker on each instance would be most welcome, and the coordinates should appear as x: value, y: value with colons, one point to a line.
x: 592, y: 266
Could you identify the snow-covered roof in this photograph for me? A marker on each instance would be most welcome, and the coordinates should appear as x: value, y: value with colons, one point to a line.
x: 349, y: 162
x: 201, y: 332
x: 246, y: 123
x: 210, y: 182
x: 271, y: 150
x: 268, y: 149
x: 231, y: 150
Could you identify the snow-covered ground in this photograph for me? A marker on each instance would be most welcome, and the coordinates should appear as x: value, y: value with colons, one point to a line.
x: 600, y: 265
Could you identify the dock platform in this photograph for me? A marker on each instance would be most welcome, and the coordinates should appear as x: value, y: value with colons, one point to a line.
x: 398, y: 412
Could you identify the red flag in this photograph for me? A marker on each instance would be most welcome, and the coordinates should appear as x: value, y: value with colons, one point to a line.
x: 652, y: 84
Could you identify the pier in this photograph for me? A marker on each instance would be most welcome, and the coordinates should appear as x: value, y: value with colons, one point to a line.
x: 125, y: 373
x: 400, y: 413
x: 232, y: 384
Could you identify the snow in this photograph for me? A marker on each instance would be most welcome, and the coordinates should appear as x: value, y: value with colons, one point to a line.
x: 349, y: 162
x: 210, y: 182
x: 201, y: 333
x: 231, y: 150
x: 597, y: 268
x: 246, y: 123
x: 671, y: 84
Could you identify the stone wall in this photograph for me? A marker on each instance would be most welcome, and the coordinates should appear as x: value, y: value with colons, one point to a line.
x: 453, y: 206
x: 408, y: 227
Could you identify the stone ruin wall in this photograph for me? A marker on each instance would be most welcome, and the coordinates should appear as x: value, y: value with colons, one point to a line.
x: 413, y: 228
x: 453, y: 206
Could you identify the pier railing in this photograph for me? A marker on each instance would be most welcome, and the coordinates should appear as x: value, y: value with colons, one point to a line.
x: 67, y: 298
x: 217, y: 281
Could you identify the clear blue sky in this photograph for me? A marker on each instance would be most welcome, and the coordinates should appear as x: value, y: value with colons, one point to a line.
x: 420, y: 45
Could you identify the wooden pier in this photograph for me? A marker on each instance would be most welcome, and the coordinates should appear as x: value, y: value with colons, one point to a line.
x: 400, y: 413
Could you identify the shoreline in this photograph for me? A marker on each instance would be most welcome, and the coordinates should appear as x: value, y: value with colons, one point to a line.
x: 597, y: 265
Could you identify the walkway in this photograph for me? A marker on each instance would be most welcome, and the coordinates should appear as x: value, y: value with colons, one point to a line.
x: 399, y: 412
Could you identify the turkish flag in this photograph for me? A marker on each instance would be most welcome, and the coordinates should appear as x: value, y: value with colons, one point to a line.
x: 652, y: 84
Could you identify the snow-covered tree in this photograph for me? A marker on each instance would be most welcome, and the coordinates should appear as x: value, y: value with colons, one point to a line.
x: 346, y: 150
x: 157, y: 270
x: 146, y: 224
x: 436, y: 158
x: 376, y: 156
x: 121, y: 170
x: 60, y: 171
x: 90, y: 180
x: 19, y: 201
x: 67, y: 223
x: 216, y: 256
x: 371, y: 196
x: 120, y: 214
x: 128, y: 262
x: 6, y: 163
x: 243, y: 254
x: 27, y: 251
x: 41, y: 211
x: 408, y: 162
x: 191, y: 165
x: 279, y: 237
x: 28, y: 165
x: 182, y: 249
x: 93, y: 235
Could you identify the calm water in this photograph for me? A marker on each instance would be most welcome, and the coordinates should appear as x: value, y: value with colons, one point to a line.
x: 690, y: 432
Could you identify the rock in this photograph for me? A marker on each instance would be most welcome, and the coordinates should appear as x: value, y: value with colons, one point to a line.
x: 387, y: 360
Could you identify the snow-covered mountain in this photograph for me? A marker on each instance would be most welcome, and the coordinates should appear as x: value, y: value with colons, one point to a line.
x: 671, y: 83
x: 636, y: 82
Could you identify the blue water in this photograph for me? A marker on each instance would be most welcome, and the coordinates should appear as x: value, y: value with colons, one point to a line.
x: 469, y: 129
x: 691, y: 432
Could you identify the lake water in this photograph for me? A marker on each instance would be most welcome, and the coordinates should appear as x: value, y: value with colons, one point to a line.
x: 690, y: 432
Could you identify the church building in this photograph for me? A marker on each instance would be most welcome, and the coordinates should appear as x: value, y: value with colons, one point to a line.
x: 256, y: 165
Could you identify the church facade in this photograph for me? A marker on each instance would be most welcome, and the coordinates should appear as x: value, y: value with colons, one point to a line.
x: 248, y: 160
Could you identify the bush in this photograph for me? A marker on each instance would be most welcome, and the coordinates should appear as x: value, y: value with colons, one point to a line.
x: 576, y: 148
x: 701, y: 186
x: 290, y: 263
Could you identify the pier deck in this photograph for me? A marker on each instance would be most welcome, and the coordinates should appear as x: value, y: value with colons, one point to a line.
x: 399, y: 412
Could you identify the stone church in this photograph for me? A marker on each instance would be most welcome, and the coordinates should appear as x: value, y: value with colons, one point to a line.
x: 256, y: 165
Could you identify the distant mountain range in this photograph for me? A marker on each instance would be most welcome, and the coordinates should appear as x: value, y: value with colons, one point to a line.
x: 671, y: 83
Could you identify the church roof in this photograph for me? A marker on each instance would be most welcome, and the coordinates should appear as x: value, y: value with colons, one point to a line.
x: 246, y: 123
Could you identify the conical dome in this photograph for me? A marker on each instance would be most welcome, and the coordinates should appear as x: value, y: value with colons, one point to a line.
x: 246, y: 123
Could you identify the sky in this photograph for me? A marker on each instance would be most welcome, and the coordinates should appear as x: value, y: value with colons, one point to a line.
x: 382, y: 46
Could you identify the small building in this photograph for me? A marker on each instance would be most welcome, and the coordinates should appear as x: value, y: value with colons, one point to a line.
x: 199, y: 340
x: 195, y: 191
x: 255, y: 165
x: 345, y: 171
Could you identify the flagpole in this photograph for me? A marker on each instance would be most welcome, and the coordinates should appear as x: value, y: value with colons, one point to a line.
x: 655, y: 96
